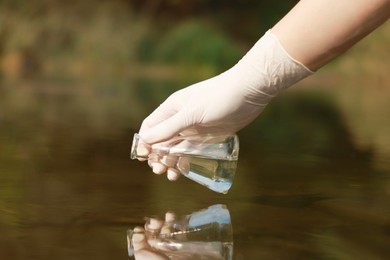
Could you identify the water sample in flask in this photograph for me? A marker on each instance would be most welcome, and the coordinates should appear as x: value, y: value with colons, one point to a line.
x: 209, y: 160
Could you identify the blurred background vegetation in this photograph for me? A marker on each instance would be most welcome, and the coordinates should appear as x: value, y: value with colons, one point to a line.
x: 73, y: 36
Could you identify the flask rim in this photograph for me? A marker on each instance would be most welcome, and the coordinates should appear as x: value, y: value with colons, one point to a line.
x: 135, y: 146
x: 133, y: 151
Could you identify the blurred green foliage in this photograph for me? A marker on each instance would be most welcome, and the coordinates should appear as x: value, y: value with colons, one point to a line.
x: 195, y: 43
x: 107, y: 37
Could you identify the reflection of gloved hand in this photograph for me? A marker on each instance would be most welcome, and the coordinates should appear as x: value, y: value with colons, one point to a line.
x: 149, y: 243
x: 229, y: 101
x: 171, y: 238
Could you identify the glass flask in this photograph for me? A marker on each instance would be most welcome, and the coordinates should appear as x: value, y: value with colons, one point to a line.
x: 209, y: 160
x: 205, y: 234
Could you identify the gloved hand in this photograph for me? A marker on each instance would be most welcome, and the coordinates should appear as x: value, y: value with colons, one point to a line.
x: 228, y: 102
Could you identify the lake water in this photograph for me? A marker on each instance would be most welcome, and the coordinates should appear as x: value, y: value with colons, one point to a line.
x: 68, y: 189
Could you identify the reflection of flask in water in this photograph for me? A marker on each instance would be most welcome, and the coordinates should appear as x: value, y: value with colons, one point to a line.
x: 205, y: 234
x: 207, y: 159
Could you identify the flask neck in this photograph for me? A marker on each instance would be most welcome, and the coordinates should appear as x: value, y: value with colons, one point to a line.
x: 208, y: 146
x: 142, y: 150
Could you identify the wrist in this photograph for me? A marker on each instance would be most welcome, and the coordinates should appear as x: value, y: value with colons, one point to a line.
x: 267, y: 69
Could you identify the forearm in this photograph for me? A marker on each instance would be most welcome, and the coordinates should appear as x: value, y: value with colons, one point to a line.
x: 317, y: 31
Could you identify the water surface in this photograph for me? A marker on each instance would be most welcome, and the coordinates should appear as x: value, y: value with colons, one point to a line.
x: 68, y: 189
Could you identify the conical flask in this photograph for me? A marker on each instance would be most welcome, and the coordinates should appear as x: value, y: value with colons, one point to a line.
x: 209, y: 160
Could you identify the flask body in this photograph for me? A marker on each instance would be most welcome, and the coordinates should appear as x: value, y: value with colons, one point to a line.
x: 206, y: 159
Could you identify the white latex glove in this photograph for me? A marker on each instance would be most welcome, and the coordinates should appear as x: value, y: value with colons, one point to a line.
x: 228, y: 102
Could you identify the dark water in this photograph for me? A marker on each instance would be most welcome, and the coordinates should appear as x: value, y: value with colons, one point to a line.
x: 68, y: 189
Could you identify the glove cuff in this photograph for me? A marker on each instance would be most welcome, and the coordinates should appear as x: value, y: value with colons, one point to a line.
x: 267, y: 69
